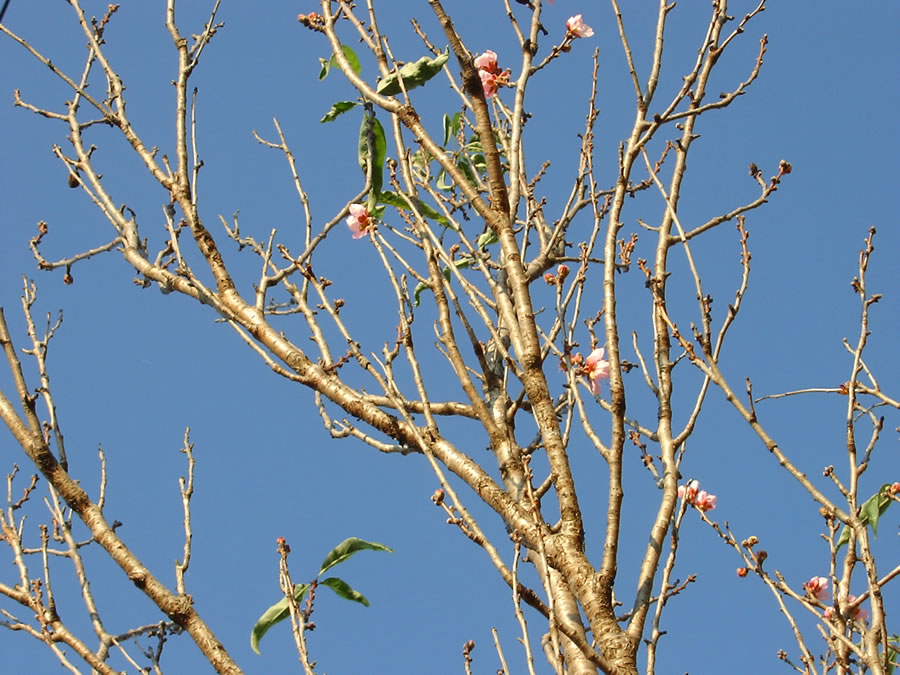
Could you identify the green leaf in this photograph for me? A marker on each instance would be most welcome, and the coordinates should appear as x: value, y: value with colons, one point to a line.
x: 393, y: 199
x: 421, y: 161
x: 347, y: 548
x: 414, y: 74
x: 443, y: 182
x: 466, y: 167
x: 479, y: 162
x: 843, y: 539
x: 871, y: 510
x: 337, y: 109
x: 417, y: 291
x: 464, y: 263
x: 474, y: 145
x: 379, y: 147
x: 487, y: 238
x: 277, y: 612
x: 893, y: 653
x: 328, y: 64
x: 451, y: 127
x: 344, y: 590
x: 875, y: 506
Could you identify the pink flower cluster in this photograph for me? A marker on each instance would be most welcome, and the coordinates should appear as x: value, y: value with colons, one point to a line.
x: 577, y: 28
x: 492, y: 78
x: 694, y: 495
x: 359, y: 221
x: 597, y: 369
x: 818, y: 588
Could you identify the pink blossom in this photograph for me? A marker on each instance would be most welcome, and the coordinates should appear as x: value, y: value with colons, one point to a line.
x: 359, y: 221
x: 578, y: 28
x: 705, y: 501
x: 487, y: 61
x: 597, y: 369
x: 895, y: 488
x: 489, y: 72
x: 817, y: 587
x: 488, y: 82
x: 689, y: 491
x: 692, y: 494
x: 859, y: 613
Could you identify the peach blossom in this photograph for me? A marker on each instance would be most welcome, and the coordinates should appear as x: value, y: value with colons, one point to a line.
x: 817, y: 587
x: 578, y: 28
x: 359, y: 221
x: 597, y: 370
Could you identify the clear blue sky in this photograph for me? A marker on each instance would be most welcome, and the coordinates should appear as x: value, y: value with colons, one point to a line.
x: 131, y: 368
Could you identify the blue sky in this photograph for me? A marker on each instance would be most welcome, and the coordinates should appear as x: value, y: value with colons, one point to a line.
x: 132, y: 368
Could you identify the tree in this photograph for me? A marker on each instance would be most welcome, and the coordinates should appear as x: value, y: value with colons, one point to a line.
x: 504, y: 318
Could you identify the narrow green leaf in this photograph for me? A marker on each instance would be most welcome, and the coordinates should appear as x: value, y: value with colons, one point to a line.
x: 871, y: 510
x: 338, y: 108
x: 380, y: 148
x: 421, y: 162
x: 352, y: 58
x: 843, y: 539
x: 487, y: 238
x: 343, y: 589
x: 414, y: 74
x: 347, y: 548
x: 429, y: 212
x: 393, y: 199
x: 417, y: 291
x: 457, y: 124
x: 466, y: 167
x: 328, y: 64
x: 277, y: 612
x: 443, y: 181
x: 876, y: 505
x: 451, y: 127
x: 474, y: 145
x: 893, y: 653
x: 447, y: 126
x: 326, y: 67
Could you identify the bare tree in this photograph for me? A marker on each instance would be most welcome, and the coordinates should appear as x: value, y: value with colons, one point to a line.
x: 495, y: 309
